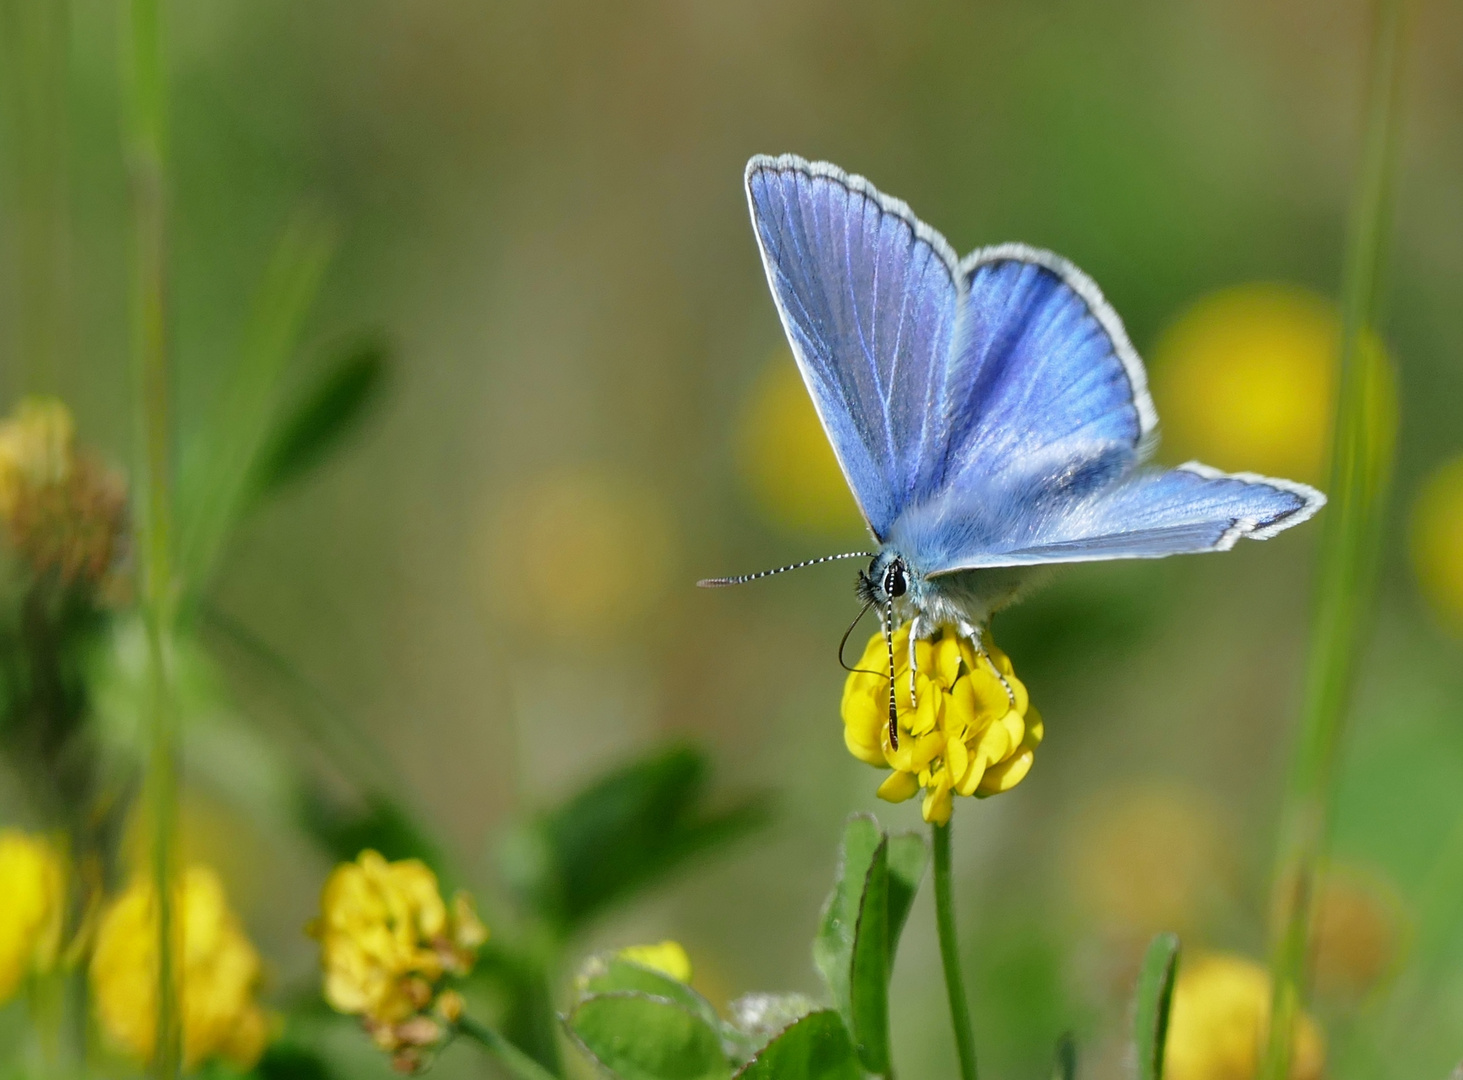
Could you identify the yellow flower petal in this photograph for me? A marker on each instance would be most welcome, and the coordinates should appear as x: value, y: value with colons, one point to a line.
x: 957, y: 758
x: 33, y: 884
x: 937, y: 805
x: 946, y: 661
x: 898, y: 786
x: 857, y: 739
x: 1035, y: 729
x: 1007, y: 774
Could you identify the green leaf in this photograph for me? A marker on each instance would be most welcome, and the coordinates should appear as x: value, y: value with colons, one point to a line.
x: 909, y: 853
x: 639, y: 1037
x: 852, y: 946
x: 817, y: 1047
x: 619, y: 835
x: 1065, y: 1067
x: 219, y: 463
x: 757, y: 1019
x: 1150, y: 1012
x: 608, y: 974
x: 322, y: 418
x: 378, y: 823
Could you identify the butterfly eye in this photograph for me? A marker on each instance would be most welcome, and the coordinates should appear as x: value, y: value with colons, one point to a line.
x: 894, y: 581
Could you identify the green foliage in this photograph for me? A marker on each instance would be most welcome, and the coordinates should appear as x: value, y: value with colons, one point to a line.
x: 854, y: 950
x: 322, y: 418
x: 1150, y: 1011
x: 378, y: 823
x: 619, y: 835
x: 608, y: 975
x: 218, y: 464
x: 1065, y: 1066
x: 287, y: 1060
x: 816, y: 1047
x: 637, y: 1036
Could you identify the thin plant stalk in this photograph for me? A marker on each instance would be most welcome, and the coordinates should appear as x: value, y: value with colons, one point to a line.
x: 34, y: 40
x: 950, y: 954
x: 146, y: 146
x: 1361, y: 459
x: 514, y: 1061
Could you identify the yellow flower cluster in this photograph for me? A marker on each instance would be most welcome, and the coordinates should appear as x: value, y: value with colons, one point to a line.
x: 961, y: 736
x: 387, y: 940
x: 217, y: 973
x: 33, y: 898
x: 62, y: 510
x: 1218, y: 1021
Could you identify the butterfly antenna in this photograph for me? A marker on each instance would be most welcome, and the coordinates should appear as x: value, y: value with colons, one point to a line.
x: 846, y: 634
x: 893, y: 706
x: 722, y: 582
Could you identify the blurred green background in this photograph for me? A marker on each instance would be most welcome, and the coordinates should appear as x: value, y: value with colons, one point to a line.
x: 539, y: 209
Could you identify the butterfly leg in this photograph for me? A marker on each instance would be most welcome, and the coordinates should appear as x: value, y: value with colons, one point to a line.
x: 916, y: 628
x: 974, y: 634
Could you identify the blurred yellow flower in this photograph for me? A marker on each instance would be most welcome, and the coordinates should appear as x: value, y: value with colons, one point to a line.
x: 387, y: 939
x: 785, y: 460
x: 668, y: 958
x: 1218, y: 1022
x: 1357, y: 934
x: 1437, y: 542
x: 961, y: 737
x: 217, y: 973
x: 36, y: 448
x: 580, y: 551
x: 33, y: 888
x: 1243, y: 380
x: 61, y: 509
x: 1146, y: 858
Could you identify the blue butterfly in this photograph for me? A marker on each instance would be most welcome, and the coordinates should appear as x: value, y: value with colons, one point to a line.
x: 989, y: 413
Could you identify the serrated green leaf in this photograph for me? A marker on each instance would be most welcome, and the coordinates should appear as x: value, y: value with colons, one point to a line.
x: 816, y: 1047
x: 852, y: 946
x: 909, y: 853
x: 757, y: 1019
x: 320, y: 420
x: 619, y: 835
x: 608, y: 974
x: 639, y: 1037
x: 1151, y: 1006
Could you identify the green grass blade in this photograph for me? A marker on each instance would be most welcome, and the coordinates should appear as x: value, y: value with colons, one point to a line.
x: 219, y: 464
x: 1151, y: 1005
x: 1361, y: 459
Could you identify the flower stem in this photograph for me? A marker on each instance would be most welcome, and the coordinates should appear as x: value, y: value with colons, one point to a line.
x: 145, y: 140
x: 1361, y: 458
x: 515, y: 1061
x: 950, y: 953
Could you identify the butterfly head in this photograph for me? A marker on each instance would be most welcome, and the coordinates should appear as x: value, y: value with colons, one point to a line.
x: 886, y: 580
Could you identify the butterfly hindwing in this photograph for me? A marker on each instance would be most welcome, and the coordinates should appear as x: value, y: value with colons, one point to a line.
x: 1146, y: 514
x: 868, y: 296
